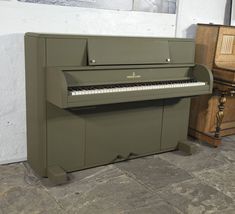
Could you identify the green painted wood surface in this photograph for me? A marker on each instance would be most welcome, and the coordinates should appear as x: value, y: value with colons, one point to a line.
x: 72, y: 133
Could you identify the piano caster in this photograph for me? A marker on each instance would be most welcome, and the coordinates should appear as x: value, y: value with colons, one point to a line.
x: 186, y: 147
x: 57, y: 175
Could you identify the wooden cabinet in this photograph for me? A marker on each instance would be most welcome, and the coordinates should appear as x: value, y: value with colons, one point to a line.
x: 213, y: 116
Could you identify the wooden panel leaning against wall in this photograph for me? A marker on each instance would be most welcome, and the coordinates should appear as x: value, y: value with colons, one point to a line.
x: 213, y: 116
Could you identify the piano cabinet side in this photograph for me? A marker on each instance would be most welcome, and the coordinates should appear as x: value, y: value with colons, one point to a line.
x: 57, y: 89
x: 36, y: 103
x: 206, y: 40
x: 202, y: 74
x: 203, y: 108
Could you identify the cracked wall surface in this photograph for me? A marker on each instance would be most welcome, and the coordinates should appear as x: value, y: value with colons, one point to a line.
x: 155, y: 6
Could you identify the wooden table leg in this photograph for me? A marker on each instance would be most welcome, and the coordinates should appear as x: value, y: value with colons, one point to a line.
x: 220, y: 114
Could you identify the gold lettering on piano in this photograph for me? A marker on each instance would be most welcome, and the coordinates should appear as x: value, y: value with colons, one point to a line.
x: 133, y: 76
x: 227, y: 44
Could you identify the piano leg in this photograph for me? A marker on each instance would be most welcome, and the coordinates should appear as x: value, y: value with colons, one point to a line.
x: 220, y: 114
x: 186, y: 147
x: 57, y: 175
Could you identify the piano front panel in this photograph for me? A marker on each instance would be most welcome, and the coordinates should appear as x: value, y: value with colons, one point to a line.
x: 92, y: 136
x: 122, y: 132
x: 186, y: 53
x: 225, y: 50
x: 175, y: 122
x: 131, y: 75
x: 65, y: 138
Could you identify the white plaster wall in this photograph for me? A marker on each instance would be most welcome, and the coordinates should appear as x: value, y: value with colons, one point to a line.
x: 12, y: 99
x: 191, y: 12
x: 17, y: 18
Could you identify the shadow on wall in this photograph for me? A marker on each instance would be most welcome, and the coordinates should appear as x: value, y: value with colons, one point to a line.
x: 227, y: 16
x: 191, y: 31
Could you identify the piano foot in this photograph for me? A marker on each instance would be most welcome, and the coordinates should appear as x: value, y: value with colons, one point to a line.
x: 205, y: 137
x: 186, y: 147
x: 57, y: 175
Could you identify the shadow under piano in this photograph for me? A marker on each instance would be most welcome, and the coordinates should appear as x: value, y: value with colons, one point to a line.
x: 95, y: 100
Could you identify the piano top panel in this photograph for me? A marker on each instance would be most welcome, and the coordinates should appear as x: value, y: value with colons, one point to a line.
x: 121, y: 51
x: 80, y: 36
x: 81, y: 50
x: 66, y: 52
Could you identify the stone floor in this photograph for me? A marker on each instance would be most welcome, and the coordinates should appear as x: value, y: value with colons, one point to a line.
x: 167, y: 183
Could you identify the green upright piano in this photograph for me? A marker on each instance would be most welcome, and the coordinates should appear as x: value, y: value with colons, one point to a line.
x: 95, y: 100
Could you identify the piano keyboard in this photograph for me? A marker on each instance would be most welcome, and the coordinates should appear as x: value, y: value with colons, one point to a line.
x: 114, y: 88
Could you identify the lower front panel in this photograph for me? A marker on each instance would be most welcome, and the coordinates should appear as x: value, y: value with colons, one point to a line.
x: 175, y: 122
x: 123, y: 132
x: 65, y: 139
x: 82, y: 138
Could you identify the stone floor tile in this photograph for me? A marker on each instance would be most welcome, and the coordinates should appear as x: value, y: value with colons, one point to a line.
x: 7, y: 170
x: 11, y: 182
x: 222, y: 178
x: 22, y: 179
x: 161, y: 207
x: 205, y: 157
x: 88, y: 173
x: 78, y: 175
x: 194, y: 197
x: 28, y: 200
x: 229, y: 210
x: 77, y: 186
x: 227, y: 148
x: 166, y: 183
x: 230, y: 138
x: 108, y: 191
x: 154, y: 172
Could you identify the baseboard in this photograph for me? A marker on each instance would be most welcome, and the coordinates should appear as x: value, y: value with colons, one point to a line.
x: 13, y: 160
